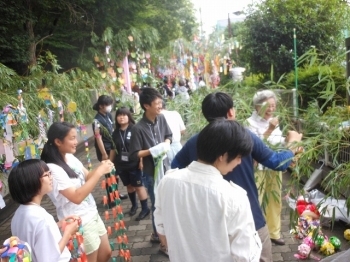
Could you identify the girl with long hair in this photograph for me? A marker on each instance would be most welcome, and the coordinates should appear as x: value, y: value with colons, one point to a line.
x: 72, y: 187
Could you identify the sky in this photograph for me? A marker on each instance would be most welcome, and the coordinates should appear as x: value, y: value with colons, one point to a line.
x: 213, y: 10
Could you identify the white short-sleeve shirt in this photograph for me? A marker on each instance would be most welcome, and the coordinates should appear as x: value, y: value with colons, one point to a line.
x: 35, y: 226
x: 87, y: 209
x: 176, y: 124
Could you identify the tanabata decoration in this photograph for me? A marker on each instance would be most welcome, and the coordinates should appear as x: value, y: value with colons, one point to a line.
x: 347, y: 234
x: 116, y: 214
x: 327, y: 249
x: 16, y: 250
x: 76, y: 242
x: 82, y: 129
x: 304, y: 252
x: 335, y: 242
x: 21, y: 109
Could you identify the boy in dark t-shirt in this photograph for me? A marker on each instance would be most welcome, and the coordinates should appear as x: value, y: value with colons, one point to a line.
x: 151, y: 131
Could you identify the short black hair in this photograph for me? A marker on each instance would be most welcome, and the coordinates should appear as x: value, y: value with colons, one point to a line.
x: 216, y: 105
x: 50, y: 153
x: 223, y: 136
x: 103, y: 100
x: 148, y: 95
x: 123, y: 111
x: 24, y: 180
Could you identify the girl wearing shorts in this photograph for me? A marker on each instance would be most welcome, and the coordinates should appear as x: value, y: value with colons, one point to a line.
x: 131, y: 176
x: 28, y: 183
x: 72, y: 187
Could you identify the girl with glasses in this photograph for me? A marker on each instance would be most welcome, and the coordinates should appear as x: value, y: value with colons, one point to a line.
x: 28, y: 183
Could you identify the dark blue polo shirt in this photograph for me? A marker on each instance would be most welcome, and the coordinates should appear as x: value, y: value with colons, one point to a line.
x: 243, y: 174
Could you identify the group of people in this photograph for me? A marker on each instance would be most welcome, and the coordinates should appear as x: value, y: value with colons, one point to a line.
x: 196, y: 214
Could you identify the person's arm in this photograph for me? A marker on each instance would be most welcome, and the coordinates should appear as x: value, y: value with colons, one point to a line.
x: 112, y: 155
x: 69, y: 230
x: 98, y: 139
x: 186, y: 155
x: 272, y: 125
x: 45, y: 246
x: 143, y: 153
x: 77, y: 195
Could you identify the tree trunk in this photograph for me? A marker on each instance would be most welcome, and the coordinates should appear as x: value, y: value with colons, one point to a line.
x: 30, y: 31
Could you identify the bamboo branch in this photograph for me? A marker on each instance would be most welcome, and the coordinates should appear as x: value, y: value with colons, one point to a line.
x: 42, y: 39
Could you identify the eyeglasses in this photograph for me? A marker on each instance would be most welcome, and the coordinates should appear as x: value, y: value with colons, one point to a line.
x: 48, y: 174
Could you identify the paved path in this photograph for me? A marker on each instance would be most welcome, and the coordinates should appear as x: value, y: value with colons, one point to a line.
x: 139, y: 232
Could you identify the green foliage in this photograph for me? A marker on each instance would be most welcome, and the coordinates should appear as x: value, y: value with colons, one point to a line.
x: 70, y: 28
x: 269, y: 36
x: 75, y: 85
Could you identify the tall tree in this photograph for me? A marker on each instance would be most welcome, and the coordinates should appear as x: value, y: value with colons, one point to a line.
x: 269, y: 36
x: 66, y: 27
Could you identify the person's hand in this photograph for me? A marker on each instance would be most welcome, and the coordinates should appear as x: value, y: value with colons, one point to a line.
x: 273, y: 123
x: 105, y: 167
x: 71, y: 227
x: 64, y: 220
x: 293, y: 136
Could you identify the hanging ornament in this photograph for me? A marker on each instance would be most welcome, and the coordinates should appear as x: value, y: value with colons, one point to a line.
x: 16, y: 250
x: 72, y: 107
x: 60, y: 110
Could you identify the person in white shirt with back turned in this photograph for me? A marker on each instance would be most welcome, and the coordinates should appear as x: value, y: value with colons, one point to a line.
x: 177, y: 127
x: 201, y: 216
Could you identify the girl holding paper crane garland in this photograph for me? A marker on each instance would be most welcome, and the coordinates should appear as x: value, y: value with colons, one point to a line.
x: 72, y: 187
x: 28, y: 183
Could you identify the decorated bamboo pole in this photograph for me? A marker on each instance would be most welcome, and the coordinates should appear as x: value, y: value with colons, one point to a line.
x: 295, y: 91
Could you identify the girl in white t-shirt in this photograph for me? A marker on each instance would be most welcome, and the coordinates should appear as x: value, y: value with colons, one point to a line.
x: 28, y: 183
x: 72, y: 187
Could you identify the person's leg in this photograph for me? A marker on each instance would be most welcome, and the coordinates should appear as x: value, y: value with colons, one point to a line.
x: 149, y: 185
x: 138, y: 182
x: 266, y: 252
x: 138, y: 185
x: 104, y: 251
x: 274, y: 206
x: 92, y: 241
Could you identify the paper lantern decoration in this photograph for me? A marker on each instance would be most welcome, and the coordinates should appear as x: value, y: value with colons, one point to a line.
x: 103, y: 74
x: 120, y: 70
x: 133, y: 55
x: 131, y: 38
